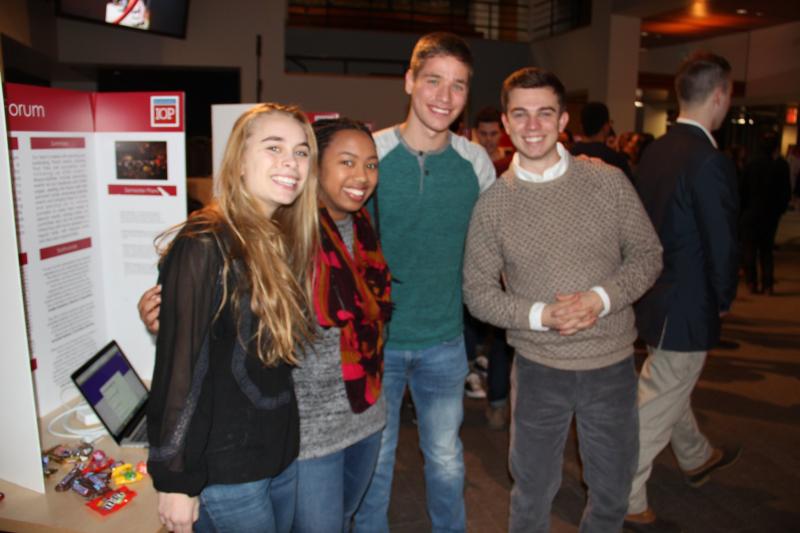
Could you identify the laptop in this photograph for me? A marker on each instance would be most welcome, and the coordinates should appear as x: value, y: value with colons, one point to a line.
x: 116, y: 393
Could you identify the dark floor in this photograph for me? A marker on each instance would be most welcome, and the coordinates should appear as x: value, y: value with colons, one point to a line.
x: 749, y: 394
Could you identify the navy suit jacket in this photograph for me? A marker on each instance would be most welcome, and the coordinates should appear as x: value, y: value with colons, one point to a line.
x: 689, y: 190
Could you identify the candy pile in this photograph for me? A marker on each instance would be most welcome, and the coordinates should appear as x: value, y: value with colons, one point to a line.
x: 95, y: 476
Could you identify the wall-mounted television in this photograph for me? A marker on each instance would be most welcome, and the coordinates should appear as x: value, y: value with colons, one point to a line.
x: 165, y: 17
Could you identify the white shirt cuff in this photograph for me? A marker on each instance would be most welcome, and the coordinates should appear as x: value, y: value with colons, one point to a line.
x: 601, y: 292
x: 535, y: 317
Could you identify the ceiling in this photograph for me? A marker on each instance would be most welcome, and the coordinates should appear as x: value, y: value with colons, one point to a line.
x: 703, y: 19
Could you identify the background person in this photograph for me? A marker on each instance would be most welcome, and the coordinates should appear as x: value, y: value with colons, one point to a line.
x: 488, y: 132
x: 765, y: 195
x: 486, y: 345
x: 689, y: 190
x: 596, y: 125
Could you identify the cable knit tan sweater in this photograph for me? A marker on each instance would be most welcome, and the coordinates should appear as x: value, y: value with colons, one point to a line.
x: 586, y: 228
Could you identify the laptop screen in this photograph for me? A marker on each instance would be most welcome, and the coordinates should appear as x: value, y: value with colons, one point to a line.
x: 111, y: 387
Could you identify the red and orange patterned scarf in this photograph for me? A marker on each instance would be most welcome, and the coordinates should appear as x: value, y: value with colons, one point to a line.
x: 352, y: 292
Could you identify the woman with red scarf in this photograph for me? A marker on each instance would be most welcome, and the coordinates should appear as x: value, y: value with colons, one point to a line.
x: 338, y: 380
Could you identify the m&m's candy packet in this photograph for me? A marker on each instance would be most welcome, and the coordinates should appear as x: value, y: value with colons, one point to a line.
x: 112, y: 501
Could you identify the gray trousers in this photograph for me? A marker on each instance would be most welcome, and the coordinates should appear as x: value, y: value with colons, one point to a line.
x: 544, y: 401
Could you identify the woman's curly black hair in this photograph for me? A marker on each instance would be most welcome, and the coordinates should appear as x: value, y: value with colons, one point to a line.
x: 325, y: 129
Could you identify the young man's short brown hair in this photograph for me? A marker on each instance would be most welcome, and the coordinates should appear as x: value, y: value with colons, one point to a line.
x: 487, y: 114
x: 440, y: 44
x: 532, y: 78
x: 699, y: 75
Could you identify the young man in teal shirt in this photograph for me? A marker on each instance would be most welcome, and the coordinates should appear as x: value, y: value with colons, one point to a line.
x: 430, y: 180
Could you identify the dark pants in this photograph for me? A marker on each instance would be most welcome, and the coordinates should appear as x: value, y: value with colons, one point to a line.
x: 478, y: 333
x: 544, y: 401
x: 758, y: 252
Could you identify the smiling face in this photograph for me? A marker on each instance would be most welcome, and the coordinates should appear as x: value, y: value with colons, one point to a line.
x: 348, y: 172
x: 438, y: 93
x: 275, y: 161
x: 488, y: 134
x: 533, y: 120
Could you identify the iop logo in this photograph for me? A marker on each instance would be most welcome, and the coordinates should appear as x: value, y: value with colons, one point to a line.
x: 165, y: 111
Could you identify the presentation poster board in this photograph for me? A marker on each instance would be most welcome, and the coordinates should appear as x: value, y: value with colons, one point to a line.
x: 19, y: 447
x: 97, y: 176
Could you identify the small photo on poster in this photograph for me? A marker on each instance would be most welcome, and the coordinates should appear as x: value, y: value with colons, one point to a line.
x: 141, y: 160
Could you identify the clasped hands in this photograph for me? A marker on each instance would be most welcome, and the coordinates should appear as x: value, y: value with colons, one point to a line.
x: 573, y: 312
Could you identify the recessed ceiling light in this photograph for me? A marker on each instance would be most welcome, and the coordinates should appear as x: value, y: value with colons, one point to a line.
x: 699, y: 8
x: 741, y: 11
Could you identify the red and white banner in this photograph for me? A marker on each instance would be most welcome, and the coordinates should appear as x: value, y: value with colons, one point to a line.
x: 30, y: 108
x: 97, y: 176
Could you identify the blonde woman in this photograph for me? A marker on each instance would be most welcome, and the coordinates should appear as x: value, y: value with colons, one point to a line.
x: 223, y: 420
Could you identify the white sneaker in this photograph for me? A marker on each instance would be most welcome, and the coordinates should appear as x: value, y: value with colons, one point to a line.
x: 473, y: 387
x: 481, y: 365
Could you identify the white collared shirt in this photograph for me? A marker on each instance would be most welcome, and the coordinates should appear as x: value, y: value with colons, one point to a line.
x: 551, y: 173
x: 684, y: 120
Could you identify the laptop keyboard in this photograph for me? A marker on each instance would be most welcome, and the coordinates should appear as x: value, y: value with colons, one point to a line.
x: 140, y: 433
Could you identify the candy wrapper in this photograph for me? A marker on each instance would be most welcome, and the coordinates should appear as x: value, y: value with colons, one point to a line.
x: 46, y: 468
x: 112, y: 501
x: 60, y: 453
x: 124, y: 474
x: 98, y: 462
x: 66, y: 481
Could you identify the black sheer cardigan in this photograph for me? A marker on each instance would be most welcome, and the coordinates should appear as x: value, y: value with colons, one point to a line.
x: 216, y: 415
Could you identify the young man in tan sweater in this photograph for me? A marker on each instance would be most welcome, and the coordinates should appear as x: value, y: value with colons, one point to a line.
x: 576, y: 249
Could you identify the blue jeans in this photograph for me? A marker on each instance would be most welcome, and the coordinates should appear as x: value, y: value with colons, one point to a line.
x: 266, y: 505
x: 330, y: 488
x: 544, y: 401
x: 435, y: 377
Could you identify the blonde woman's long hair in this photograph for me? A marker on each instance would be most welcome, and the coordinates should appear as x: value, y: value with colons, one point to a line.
x: 277, y: 253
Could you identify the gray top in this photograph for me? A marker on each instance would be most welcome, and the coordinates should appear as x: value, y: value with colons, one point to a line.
x: 327, y: 424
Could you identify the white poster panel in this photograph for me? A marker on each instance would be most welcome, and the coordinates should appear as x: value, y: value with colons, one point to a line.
x: 141, y: 186
x: 223, y: 116
x: 52, y: 152
x: 19, y: 447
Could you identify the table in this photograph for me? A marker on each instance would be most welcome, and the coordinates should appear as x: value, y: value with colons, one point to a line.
x: 24, y: 510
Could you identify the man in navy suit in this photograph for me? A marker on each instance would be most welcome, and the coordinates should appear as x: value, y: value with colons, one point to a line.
x: 688, y: 188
